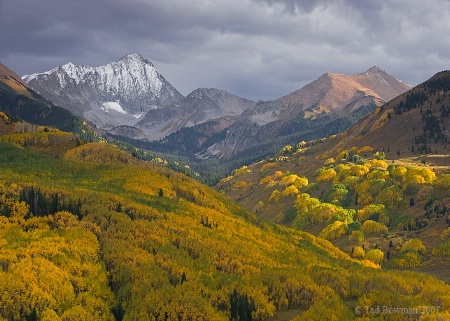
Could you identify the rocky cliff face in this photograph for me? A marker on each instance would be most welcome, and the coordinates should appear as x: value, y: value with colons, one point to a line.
x: 200, y: 106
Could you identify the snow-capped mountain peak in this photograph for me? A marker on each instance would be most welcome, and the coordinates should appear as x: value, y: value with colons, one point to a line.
x: 132, y: 82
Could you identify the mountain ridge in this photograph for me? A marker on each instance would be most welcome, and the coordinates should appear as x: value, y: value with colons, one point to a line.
x: 333, y: 90
x: 10, y: 78
x: 330, y: 97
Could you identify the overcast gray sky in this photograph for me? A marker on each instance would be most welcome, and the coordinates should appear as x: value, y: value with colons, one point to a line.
x: 258, y: 49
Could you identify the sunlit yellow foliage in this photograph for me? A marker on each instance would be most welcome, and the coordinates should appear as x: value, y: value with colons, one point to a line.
x: 377, y: 174
x: 381, y: 120
x: 341, y: 167
x: 331, y: 306
x: 277, y: 175
x: 375, y: 255
x: 265, y: 180
x: 258, y: 207
x: 358, y: 252
x: 270, y: 184
x: 424, y: 173
x: 350, y: 181
x: 342, y: 155
x: 357, y: 236
x: 149, y: 183
x: 287, y: 149
x: 38, y: 138
x: 359, y: 170
x: 368, y: 210
x: 329, y: 161
x: 310, y: 211
x: 268, y: 166
x: 275, y: 196
x: 3, y: 115
x: 407, y: 259
x: 370, y: 227
x: 334, y: 230
x: 365, y: 149
x: 99, y: 153
x: 390, y: 196
x: 326, y: 175
x: 52, y: 269
x: 442, y: 249
x: 50, y: 315
x: 295, y: 180
x: 365, y: 198
x: 443, y: 182
x: 415, y: 245
x: 290, y: 190
x: 445, y: 234
x: 180, y: 254
x: 240, y: 185
x: 378, y: 163
x: 400, y: 171
x: 242, y: 170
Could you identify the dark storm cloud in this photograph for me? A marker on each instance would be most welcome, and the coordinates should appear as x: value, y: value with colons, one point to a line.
x: 260, y: 49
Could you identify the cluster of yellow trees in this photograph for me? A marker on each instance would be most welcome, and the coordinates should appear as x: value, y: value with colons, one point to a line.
x: 50, y: 269
x: 356, y: 196
x: 151, y: 244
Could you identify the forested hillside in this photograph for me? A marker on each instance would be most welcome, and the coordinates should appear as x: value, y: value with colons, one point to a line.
x: 20, y: 102
x: 378, y: 191
x: 97, y: 235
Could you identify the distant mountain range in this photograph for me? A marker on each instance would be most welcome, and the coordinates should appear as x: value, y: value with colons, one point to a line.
x: 310, y: 109
x: 128, y: 99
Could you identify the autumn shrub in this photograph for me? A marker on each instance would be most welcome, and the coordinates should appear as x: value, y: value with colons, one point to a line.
x: 406, y: 259
x: 240, y: 185
x: 358, y: 252
x: 290, y: 190
x: 242, y: 170
x: 267, y: 166
x: 375, y: 255
x: 326, y: 175
x: 333, y: 230
x: 265, y: 180
x: 370, y: 227
x: 99, y: 153
x: 357, y: 236
x: 359, y: 170
x: 415, y: 245
x: 295, y: 180
x: 277, y: 175
x: 379, y: 163
x: 275, y: 196
x: 442, y: 249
